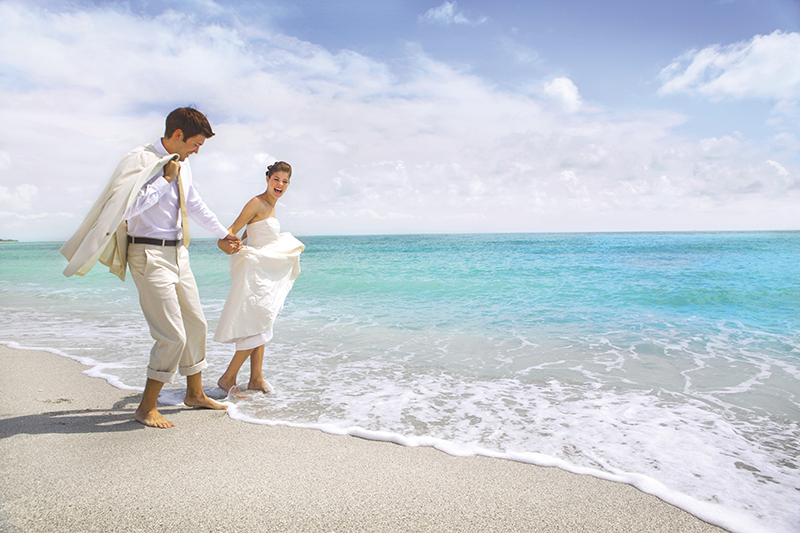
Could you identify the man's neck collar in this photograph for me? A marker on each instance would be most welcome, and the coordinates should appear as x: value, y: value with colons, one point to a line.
x: 161, y: 148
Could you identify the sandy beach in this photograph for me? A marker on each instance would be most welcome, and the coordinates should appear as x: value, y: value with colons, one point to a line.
x: 73, y: 459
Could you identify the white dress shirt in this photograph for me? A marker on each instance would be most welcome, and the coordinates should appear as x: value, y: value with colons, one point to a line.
x: 156, y: 212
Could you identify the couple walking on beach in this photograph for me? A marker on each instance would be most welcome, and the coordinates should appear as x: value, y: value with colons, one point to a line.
x: 141, y: 220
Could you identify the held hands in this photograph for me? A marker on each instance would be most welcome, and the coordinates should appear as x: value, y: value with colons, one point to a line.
x: 171, y: 170
x: 230, y: 244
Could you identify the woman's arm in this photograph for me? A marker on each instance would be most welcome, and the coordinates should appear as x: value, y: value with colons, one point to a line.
x: 249, y: 212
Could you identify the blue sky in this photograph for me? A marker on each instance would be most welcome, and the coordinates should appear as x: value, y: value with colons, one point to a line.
x: 414, y: 116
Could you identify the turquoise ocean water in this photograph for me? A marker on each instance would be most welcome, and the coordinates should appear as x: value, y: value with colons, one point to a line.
x: 669, y: 361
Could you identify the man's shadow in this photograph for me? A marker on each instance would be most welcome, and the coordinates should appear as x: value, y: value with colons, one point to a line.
x: 119, y: 417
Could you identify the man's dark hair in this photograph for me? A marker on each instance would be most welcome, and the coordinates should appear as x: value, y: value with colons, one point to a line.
x: 190, y: 121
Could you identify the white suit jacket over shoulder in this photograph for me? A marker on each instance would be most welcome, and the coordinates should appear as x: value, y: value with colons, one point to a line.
x: 103, y: 234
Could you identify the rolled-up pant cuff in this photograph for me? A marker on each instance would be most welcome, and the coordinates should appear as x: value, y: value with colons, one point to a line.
x: 163, y: 377
x: 194, y: 369
x: 169, y: 377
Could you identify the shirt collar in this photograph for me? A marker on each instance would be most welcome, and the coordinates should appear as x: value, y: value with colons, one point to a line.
x: 159, y: 146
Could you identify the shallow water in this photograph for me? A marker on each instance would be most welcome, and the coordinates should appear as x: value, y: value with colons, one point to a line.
x: 668, y: 361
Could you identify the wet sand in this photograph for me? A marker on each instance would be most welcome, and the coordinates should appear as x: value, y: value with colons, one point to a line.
x: 73, y: 459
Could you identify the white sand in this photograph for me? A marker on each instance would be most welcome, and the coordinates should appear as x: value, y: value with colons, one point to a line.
x: 73, y: 459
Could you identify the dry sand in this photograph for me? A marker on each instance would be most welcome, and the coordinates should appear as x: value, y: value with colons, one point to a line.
x: 73, y: 459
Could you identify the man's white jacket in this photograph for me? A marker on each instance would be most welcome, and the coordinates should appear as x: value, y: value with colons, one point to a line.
x: 103, y: 234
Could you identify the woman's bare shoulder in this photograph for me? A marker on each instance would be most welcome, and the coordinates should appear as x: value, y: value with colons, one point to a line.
x: 260, y: 208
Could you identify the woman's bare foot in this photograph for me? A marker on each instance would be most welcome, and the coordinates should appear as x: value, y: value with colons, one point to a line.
x: 235, y: 392
x: 230, y: 387
x: 152, y: 419
x: 226, y: 384
x: 260, y: 384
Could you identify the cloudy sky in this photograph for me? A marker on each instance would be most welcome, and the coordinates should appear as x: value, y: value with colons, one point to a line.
x: 415, y: 116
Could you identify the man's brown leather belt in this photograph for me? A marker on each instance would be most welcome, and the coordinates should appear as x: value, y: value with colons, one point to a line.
x: 148, y: 240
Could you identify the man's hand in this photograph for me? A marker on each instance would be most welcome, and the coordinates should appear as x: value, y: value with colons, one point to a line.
x: 230, y: 244
x: 171, y: 170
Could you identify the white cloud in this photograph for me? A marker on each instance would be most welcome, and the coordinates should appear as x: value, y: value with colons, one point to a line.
x: 786, y: 141
x: 767, y: 66
x: 723, y: 148
x: 520, y: 53
x: 20, y: 197
x: 780, y: 169
x: 32, y: 216
x: 433, y: 150
x: 447, y: 14
x: 265, y: 159
x: 565, y: 92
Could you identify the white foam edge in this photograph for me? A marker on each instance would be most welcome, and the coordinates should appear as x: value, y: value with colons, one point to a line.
x: 95, y: 370
x: 714, y: 514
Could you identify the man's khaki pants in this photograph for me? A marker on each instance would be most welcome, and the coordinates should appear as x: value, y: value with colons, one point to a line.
x: 171, y: 305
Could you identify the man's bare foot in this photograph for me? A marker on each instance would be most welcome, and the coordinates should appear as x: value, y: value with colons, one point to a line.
x: 203, y: 402
x: 260, y: 384
x: 152, y: 419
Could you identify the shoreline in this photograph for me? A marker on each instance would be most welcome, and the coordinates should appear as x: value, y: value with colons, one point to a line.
x: 75, y: 460
x: 61, y: 241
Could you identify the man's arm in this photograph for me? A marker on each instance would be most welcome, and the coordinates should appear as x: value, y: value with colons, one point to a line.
x: 201, y: 214
x: 147, y: 198
x: 152, y: 192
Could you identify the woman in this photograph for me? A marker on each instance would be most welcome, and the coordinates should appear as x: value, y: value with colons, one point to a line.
x: 262, y: 274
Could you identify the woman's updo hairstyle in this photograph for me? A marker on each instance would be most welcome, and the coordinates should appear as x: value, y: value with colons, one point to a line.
x: 279, y: 166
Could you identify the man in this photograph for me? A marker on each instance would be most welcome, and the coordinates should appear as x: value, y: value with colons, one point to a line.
x: 141, y: 220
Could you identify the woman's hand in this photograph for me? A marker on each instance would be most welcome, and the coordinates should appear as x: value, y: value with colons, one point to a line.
x: 230, y: 244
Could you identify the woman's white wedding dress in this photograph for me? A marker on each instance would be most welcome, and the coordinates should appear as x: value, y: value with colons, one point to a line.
x: 262, y: 274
